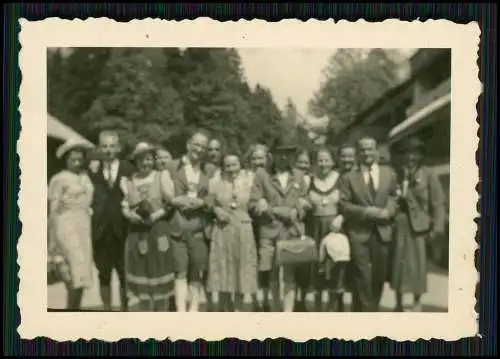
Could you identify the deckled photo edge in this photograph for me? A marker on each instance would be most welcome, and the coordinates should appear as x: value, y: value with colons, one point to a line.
x: 36, y: 313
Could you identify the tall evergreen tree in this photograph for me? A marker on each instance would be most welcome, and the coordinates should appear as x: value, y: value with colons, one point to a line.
x: 135, y: 100
x: 161, y: 94
x: 83, y: 71
x: 354, y: 79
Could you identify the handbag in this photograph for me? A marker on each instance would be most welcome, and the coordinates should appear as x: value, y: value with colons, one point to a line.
x: 144, y: 209
x: 297, y: 250
x: 56, y: 266
x: 57, y: 270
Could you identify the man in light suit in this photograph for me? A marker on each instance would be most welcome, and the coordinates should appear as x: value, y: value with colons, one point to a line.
x: 368, y: 203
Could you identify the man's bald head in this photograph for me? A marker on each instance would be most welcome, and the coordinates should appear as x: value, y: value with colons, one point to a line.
x: 367, y: 141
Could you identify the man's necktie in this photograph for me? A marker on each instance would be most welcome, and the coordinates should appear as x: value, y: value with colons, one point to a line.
x: 371, y: 184
x: 109, y: 178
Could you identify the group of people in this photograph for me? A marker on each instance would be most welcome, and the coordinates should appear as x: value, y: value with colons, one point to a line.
x: 208, y: 224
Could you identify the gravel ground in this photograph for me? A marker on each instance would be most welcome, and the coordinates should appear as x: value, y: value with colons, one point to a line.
x: 436, y: 300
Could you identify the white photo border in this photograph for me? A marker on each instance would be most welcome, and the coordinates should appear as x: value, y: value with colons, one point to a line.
x: 460, y: 321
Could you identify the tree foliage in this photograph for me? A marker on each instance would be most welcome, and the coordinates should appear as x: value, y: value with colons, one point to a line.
x: 353, y: 80
x: 161, y: 94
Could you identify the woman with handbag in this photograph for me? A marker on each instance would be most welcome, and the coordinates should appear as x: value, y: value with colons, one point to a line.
x: 278, y: 199
x: 148, y: 256
x: 324, y: 196
x: 303, y: 165
x: 70, y: 244
x: 233, y: 253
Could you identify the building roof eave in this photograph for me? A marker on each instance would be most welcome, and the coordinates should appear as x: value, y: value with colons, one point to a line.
x: 401, y: 129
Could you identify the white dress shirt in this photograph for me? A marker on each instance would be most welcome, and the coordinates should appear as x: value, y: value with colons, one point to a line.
x: 283, y: 179
x: 112, y: 171
x: 375, y: 173
x: 192, y: 172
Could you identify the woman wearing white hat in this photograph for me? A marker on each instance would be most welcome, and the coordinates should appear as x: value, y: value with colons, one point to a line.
x: 148, y: 258
x: 70, y: 196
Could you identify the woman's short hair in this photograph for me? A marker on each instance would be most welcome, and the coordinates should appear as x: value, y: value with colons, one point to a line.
x: 324, y: 148
x: 247, y: 157
x: 302, y: 151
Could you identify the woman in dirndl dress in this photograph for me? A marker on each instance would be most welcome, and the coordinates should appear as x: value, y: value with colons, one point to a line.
x: 324, y: 196
x: 70, y: 244
x: 148, y: 257
x: 233, y: 253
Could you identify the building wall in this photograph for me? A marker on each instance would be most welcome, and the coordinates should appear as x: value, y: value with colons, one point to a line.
x: 430, y: 72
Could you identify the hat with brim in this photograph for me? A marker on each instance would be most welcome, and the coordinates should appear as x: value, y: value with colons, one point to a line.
x: 140, y: 149
x: 411, y: 144
x: 285, y: 149
x: 72, y: 144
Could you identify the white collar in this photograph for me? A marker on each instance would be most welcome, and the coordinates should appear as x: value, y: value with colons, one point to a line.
x: 114, y: 163
x: 373, y: 169
x: 327, y: 182
x: 187, y: 162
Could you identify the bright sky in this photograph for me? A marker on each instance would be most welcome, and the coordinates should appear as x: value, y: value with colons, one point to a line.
x: 294, y: 73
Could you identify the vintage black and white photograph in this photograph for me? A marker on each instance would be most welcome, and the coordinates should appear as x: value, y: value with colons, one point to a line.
x: 245, y: 179
x: 193, y: 180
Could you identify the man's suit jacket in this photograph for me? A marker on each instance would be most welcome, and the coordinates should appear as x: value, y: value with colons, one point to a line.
x: 268, y: 187
x: 355, y: 197
x: 424, y: 200
x: 106, y: 204
x: 187, y: 222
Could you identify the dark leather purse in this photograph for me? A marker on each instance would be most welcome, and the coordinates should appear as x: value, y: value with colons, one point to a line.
x: 144, y: 209
x: 299, y: 249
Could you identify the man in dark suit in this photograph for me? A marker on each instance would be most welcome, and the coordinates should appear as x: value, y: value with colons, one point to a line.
x: 368, y: 203
x: 109, y: 227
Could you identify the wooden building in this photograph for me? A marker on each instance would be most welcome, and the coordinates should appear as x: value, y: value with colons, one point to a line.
x: 421, y: 106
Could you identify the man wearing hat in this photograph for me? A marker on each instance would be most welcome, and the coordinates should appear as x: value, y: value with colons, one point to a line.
x: 109, y: 227
x: 278, y: 200
x: 368, y: 204
x: 420, y: 218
